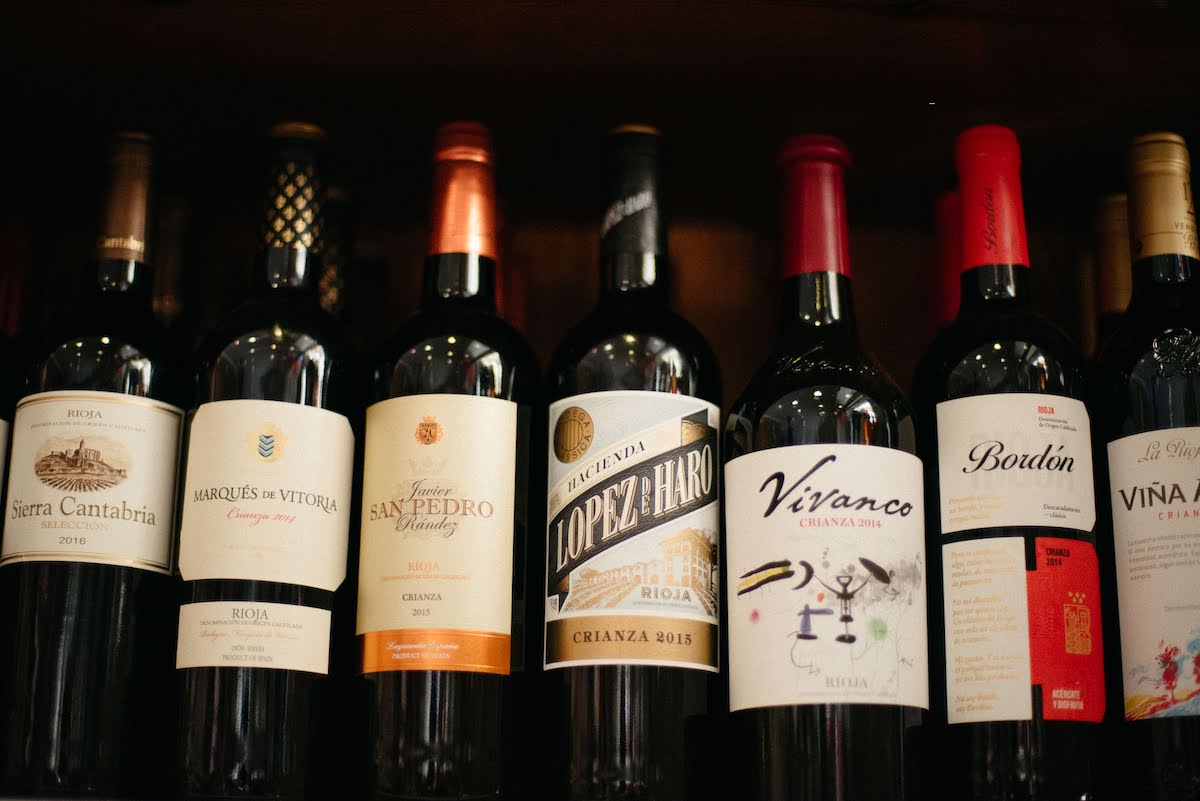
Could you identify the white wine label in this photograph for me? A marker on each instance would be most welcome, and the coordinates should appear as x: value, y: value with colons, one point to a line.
x: 826, y: 557
x: 92, y: 479
x: 1022, y: 621
x: 1015, y: 459
x: 632, y: 538
x: 1155, y: 486
x: 267, y: 494
x: 987, y: 630
x: 436, y: 574
x: 245, y: 634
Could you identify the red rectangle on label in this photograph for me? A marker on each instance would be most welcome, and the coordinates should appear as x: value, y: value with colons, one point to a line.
x: 1065, y: 646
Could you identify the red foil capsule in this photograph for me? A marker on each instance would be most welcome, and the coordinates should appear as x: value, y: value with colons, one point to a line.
x: 815, y: 237
x: 989, y: 182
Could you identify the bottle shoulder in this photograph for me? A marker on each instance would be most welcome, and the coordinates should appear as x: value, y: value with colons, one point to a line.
x: 279, y: 349
x: 643, y: 348
x: 130, y: 354
x: 1148, y: 375
x: 990, y: 353
x: 456, y: 351
x: 825, y: 392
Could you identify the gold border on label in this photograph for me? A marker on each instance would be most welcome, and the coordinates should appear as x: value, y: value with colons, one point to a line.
x: 85, y: 557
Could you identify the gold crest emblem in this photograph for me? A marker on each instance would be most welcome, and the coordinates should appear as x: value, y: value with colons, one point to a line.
x: 572, y: 434
x: 429, y: 430
x: 267, y: 442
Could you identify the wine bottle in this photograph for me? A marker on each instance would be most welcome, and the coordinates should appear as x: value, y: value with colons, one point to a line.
x: 1115, y: 278
x: 947, y: 220
x: 1149, y: 386
x: 631, y: 584
x: 1017, y: 679
x: 266, y: 510
x: 87, y: 557
x: 445, y: 512
x: 825, y: 539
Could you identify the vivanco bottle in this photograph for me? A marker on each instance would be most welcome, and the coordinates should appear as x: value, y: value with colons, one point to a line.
x: 826, y: 574
x: 1017, y: 674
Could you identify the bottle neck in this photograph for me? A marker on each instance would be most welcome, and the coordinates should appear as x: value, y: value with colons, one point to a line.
x: 459, y: 280
x: 995, y: 287
x: 126, y: 281
x: 817, y: 302
x: 634, y: 278
x: 1166, y: 282
x: 288, y: 270
x: 816, y: 252
x: 995, y: 253
x: 633, y: 236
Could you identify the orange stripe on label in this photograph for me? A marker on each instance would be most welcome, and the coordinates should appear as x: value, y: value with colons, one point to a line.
x: 435, y: 649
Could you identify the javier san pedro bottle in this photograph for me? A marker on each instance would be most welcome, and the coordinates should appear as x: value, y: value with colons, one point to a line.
x: 442, y: 576
x: 1017, y: 670
x: 264, y: 536
x: 631, y: 575
x: 825, y: 546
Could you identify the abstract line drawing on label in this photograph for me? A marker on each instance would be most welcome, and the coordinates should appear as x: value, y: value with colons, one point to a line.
x: 85, y: 465
x: 782, y: 569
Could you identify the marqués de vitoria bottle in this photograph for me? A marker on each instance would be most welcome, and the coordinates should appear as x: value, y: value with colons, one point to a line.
x: 88, y: 543
x: 442, y: 576
x: 266, y: 512
x: 631, y: 580
x: 1017, y: 676
x: 1149, y: 394
x: 824, y: 521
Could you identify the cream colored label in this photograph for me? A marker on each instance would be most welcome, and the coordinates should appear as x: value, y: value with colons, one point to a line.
x: 1155, y: 486
x: 436, y: 573
x: 267, y: 494
x: 988, y: 668
x: 1015, y: 459
x: 253, y: 634
x: 631, y: 572
x: 826, y: 554
x: 92, y: 479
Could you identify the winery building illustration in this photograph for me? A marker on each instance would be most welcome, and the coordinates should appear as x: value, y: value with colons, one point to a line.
x: 80, y: 469
x: 685, y: 562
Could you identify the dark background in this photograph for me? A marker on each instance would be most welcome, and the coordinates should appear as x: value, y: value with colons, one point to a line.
x: 726, y: 82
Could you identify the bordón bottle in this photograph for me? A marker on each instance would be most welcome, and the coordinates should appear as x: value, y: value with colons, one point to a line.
x: 266, y: 510
x: 441, y: 611
x: 1017, y: 678
x: 826, y: 574
x: 631, y: 581
x: 1150, y: 390
x: 87, y: 557
x: 1114, y: 278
